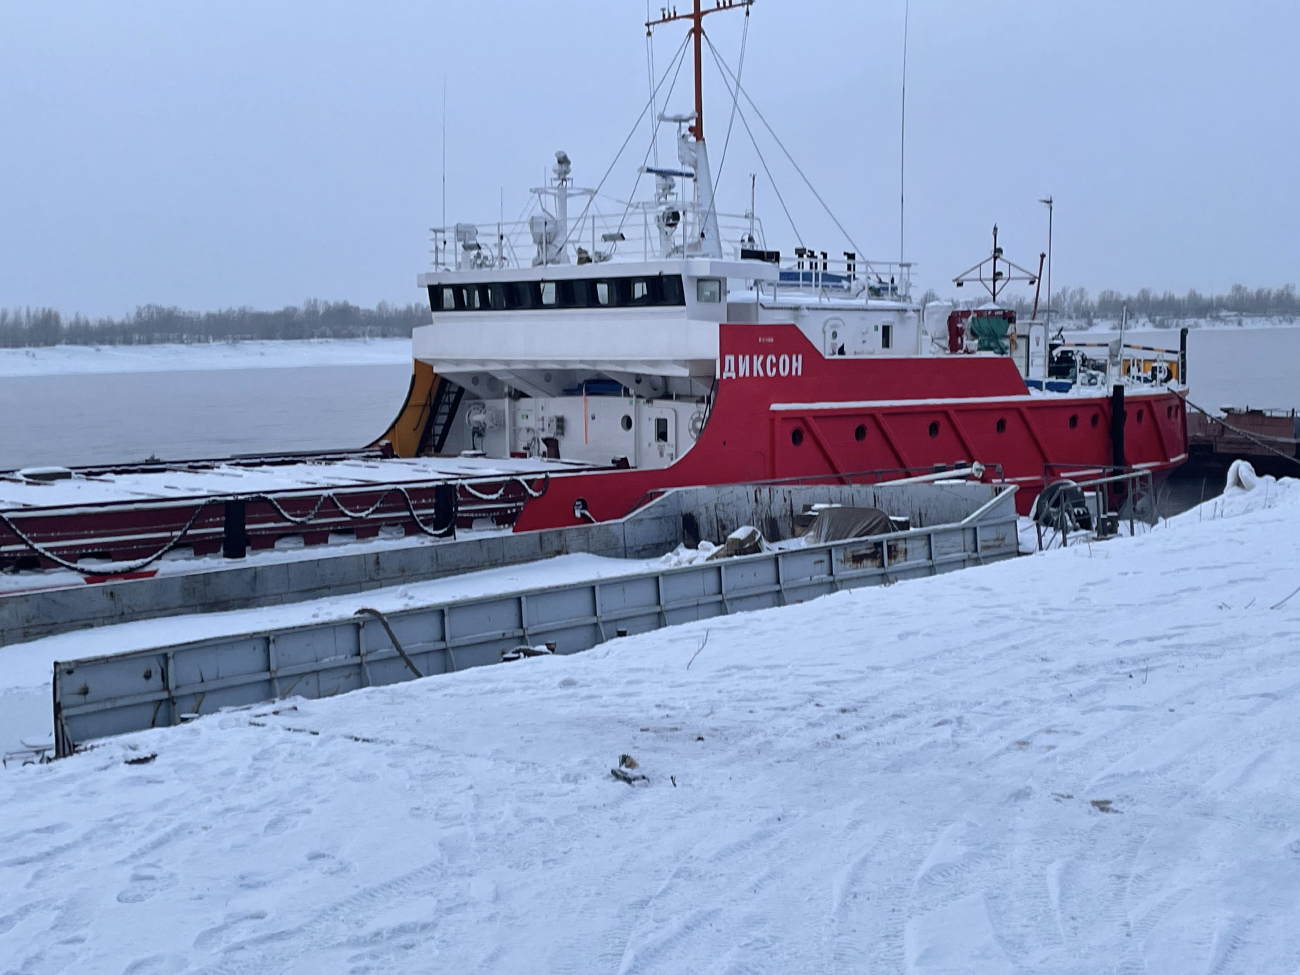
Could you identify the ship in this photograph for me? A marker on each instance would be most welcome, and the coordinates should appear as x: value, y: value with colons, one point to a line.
x: 582, y: 359
x: 667, y: 345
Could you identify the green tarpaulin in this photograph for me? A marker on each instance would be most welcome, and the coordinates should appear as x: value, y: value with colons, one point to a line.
x: 991, y: 333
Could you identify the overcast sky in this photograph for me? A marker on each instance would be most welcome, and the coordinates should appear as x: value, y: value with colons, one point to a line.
x: 259, y: 153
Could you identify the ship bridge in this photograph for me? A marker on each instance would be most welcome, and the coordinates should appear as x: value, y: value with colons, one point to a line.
x: 537, y: 328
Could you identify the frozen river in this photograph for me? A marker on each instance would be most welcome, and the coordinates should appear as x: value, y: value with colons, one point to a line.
x: 73, y: 406
x: 197, y: 404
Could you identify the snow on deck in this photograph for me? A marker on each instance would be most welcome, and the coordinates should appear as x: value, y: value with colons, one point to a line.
x: 1075, y: 762
x: 229, y: 479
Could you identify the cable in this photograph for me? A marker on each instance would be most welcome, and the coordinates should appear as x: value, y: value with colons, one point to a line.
x: 754, y: 142
x: 124, y: 570
x: 735, y: 102
x: 120, y: 569
x: 650, y: 81
x: 679, y: 61
x: 392, y: 637
x: 779, y: 143
x: 583, y: 215
x: 1253, y: 438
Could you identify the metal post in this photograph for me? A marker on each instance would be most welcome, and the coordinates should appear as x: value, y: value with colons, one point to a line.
x: 234, y: 538
x: 445, y: 500
x: 1117, y: 418
x: 1051, y: 203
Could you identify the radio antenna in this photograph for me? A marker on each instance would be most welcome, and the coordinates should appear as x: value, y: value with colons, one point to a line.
x: 902, y: 138
x: 444, y: 153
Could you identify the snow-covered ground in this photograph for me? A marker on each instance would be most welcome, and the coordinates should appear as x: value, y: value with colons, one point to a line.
x: 1080, y: 761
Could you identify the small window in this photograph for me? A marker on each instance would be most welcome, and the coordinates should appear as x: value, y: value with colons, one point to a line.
x: 604, y: 293
x: 671, y: 290
x: 661, y: 429
x: 548, y: 294
x: 886, y: 336
x: 708, y: 289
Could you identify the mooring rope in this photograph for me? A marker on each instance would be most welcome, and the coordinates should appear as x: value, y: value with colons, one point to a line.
x: 121, y: 569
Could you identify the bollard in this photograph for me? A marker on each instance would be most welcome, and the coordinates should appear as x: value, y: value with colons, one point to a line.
x: 1119, y: 490
x: 234, y: 538
x: 444, y: 510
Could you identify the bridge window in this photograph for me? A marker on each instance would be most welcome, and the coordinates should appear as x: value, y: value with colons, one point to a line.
x: 646, y: 291
x: 708, y: 290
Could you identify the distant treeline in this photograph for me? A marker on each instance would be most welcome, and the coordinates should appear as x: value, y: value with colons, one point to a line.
x: 155, y: 325
x: 1160, y: 309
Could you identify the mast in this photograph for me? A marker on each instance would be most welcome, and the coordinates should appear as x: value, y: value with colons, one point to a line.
x: 697, y: 31
x: 693, y: 152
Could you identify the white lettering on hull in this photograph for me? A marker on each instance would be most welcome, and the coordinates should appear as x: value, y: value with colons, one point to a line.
x: 764, y: 366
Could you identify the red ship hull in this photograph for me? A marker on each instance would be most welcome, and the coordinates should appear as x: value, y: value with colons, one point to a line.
x: 791, y: 413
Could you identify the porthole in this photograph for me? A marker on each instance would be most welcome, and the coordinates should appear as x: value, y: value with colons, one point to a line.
x: 1141, y: 414
x: 1002, y: 425
x: 934, y: 428
x: 1095, y: 418
x: 626, y: 422
x: 474, y: 381
x: 860, y: 433
x: 1074, y: 420
x: 796, y: 436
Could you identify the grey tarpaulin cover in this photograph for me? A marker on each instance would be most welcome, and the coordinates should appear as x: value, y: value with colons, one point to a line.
x: 836, y: 524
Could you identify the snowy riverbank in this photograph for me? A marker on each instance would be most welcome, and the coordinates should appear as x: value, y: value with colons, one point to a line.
x: 81, y: 360
x: 1077, y: 761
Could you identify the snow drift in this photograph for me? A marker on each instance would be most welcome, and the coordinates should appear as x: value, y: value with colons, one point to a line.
x: 1079, y: 761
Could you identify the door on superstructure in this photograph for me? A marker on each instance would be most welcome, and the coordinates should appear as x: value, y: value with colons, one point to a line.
x: 659, y: 446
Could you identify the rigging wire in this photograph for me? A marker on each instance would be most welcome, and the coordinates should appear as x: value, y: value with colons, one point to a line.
x: 583, y: 216
x: 754, y: 142
x: 650, y: 81
x: 735, y: 102
x: 782, y: 147
x: 654, y: 144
